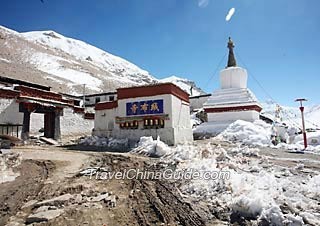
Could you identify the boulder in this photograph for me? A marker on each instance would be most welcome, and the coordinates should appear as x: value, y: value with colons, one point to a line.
x: 43, y: 216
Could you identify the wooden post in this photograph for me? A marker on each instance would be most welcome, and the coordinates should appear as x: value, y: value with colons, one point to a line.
x: 57, y: 131
x: 26, y: 125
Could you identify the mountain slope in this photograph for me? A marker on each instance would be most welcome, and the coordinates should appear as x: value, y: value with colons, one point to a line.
x: 184, y: 84
x: 66, y: 64
x: 49, y: 58
x: 292, y: 116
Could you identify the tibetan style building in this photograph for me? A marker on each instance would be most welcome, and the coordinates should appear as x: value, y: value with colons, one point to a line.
x: 153, y: 110
x: 26, y: 108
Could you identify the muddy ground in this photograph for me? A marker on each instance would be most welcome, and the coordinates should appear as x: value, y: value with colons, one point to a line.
x: 48, y: 172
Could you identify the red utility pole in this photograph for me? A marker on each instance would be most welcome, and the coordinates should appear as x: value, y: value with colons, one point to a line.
x: 303, y: 125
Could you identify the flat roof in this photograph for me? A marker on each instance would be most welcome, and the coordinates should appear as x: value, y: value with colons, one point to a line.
x: 152, y: 90
x: 98, y: 94
x: 24, y: 83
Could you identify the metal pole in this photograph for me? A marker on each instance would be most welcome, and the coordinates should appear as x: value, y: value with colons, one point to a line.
x: 84, y: 96
x: 303, y: 124
x: 303, y: 128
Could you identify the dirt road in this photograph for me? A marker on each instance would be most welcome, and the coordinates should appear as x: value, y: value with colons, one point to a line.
x: 51, y: 172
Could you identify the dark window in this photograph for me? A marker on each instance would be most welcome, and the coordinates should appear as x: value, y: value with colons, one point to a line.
x: 111, y: 98
x: 76, y: 102
x: 97, y: 99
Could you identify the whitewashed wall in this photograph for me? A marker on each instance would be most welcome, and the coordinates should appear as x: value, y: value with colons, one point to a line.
x: 181, y: 120
x: 9, y: 112
x: 233, y: 77
x: 73, y: 124
x: 233, y: 116
x: 176, y: 130
x: 104, y: 122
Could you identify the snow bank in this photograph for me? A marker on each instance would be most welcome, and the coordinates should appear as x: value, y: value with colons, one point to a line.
x: 313, y: 186
x: 154, y: 148
x: 256, y: 133
x: 255, y: 190
x: 313, y: 139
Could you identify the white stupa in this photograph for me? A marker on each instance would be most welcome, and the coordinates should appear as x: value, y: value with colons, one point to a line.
x: 232, y: 101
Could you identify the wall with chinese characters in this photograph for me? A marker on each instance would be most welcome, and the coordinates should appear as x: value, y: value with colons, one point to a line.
x: 145, y: 107
x: 159, y: 104
x: 176, y: 129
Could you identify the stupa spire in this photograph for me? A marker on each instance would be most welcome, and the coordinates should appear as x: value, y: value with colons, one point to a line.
x: 231, y: 59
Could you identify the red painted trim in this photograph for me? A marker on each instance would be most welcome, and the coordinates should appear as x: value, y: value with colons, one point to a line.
x: 152, y: 90
x: 89, y: 116
x: 78, y: 110
x: 32, y: 92
x: 106, y: 105
x: 10, y: 94
x: 238, y: 108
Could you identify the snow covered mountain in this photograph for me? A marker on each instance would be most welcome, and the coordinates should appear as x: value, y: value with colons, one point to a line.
x: 184, y: 84
x: 292, y: 116
x: 65, y: 64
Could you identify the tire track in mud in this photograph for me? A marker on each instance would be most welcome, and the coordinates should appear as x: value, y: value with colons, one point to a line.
x: 155, y: 203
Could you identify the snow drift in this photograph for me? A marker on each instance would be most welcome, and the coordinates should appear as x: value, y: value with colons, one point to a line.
x: 256, y: 133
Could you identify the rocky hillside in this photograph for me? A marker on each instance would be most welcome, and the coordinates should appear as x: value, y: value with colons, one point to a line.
x: 49, y: 58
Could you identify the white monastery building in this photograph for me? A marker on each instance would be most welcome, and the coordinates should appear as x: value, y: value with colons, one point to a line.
x: 232, y: 101
x: 154, y: 110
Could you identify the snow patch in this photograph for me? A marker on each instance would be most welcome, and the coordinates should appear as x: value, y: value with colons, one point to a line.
x: 5, y: 60
x: 154, y: 148
x: 9, y: 161
x: 258, y: 194
x: 82, y: 51
x: 53, y: 65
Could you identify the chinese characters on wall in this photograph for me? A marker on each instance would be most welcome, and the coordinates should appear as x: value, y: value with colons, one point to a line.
x: 148, y: 107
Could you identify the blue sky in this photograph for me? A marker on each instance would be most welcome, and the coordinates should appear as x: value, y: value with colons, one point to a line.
x: 276, y: 40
